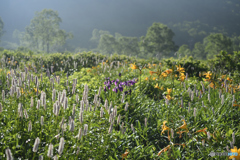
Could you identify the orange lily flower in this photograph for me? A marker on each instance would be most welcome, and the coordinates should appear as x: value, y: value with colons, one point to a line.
x: 163, y: 150
x: 164, y: 127
x: 133, y: 66
x: 124, y: 155
x: 202, y: 130
x: 168, y: 97
x: 169, y: 90
x: 180, y: 69
x: 164, y: 74
x: 156, y: 86
x: 168, y: 71
x: 151, y: 72
x: 184, y: 126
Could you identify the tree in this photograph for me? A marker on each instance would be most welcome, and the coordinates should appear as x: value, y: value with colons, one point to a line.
x: 1, y: 28
x: 214, y: 43
x: 184, y: 50
x: 96, y: 36
x: 44, y: 31
x: 198, y: 51
x: 107, y: 44
x: 158, y: 40
x: 17, y: 35
x: 128, y: 45
x: 236, y: 43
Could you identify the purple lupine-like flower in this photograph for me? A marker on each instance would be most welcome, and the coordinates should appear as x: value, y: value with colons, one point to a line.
x: 126, y: 92
x: 115, y: 89
x: 130, y: 91
x: 119, y: 74
x: 109, y: 86
x: 105, y: 89
x: 122, y: 83
x: 120, y: 88
x: 116, y: 82
x: 130, y: 83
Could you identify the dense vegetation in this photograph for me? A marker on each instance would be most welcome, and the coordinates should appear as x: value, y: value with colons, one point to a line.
x: 91, y: 106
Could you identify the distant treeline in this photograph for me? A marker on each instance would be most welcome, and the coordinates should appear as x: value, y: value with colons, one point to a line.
x: 44, y: 35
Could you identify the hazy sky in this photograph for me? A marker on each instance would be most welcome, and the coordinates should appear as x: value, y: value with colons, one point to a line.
x: 128, y: 17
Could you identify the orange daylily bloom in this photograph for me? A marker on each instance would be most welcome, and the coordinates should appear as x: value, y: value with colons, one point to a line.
x: 211, y: 85
x: 229, y: 79
x: 202, y: 130
x: 168, y: 97
x: 133, y: 66
x: 156, y: 86
x: 235, y: 104
x: 154, y: 78
x: 163, y: 150
x: 180, y: 69
x: 184, y: 126
x: 182, y: 77
x: 146, y: 78
x: 164, y: 74
x: 169, y: 90
x: 168, y: 71
x: 151, y: 72
x: 180, y: 133
x: 208, y: 75
x: 164, y: 127
x: 124, y: 155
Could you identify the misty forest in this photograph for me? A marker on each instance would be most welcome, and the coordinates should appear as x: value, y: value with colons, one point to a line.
x: 102, y: 79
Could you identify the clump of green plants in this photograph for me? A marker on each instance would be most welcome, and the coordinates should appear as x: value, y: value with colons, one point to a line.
x: 89, y: 106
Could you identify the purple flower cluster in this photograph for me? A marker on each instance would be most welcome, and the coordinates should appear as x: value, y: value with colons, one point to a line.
x: 119, y: 85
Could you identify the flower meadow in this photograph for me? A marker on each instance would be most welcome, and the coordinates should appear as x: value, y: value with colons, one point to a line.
x: 92, y: 107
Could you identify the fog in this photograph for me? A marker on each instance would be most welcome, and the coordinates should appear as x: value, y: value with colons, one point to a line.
x: 127, y: 17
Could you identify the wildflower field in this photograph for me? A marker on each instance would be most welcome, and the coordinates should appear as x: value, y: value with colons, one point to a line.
x: 89, y: 106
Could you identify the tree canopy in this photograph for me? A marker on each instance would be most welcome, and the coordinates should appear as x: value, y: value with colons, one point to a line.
x: 158, y: 40
x: 44, y: 33
x: 1, y: 28
x: 214, y: 43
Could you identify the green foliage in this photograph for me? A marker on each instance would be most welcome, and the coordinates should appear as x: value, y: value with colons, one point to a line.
x: 198, y: 51
x: 43, y: 33
x: 1, y: 28
x: 236, y: 43
x: 184, y: 50
x: 158, y: 40
x: 214, y: 43
x: 107, y: 44
x: 192, y: 67
x: 226, y: 63
x: 111, y: 138
x: 97, y: 34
